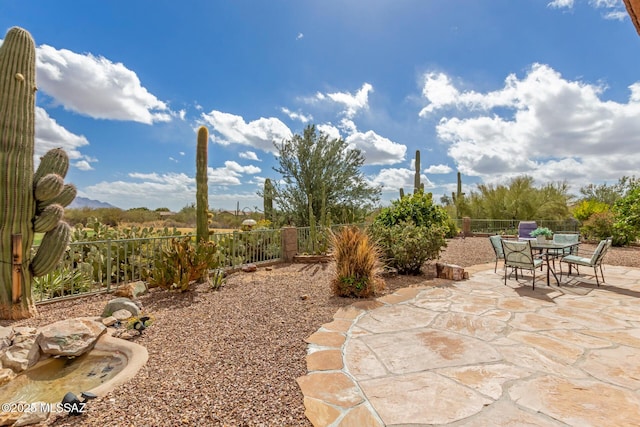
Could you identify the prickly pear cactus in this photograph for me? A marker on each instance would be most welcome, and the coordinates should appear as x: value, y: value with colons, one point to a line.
x: 29, y: 203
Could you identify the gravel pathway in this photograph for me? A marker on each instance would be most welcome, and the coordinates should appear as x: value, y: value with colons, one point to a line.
x: 231, y: 357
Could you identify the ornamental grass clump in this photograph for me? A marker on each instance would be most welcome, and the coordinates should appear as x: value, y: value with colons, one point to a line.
x: 358, y: 265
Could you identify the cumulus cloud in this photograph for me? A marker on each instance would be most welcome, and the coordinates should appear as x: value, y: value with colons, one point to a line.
x: 612, y: 9
x: 377, y: 149
x: 261, y: 133
x: 331, y: 131
x: 352, y: 103
x: 438, y: 169
x: 249, y: 155
x: 392, y: 179
x: 299, y: 36
x: 542, y: 124
x: 49, y: 134
x: 96, y: 87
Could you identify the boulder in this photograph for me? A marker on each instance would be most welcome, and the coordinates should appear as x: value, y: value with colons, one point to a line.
x: 450, y: 272
x: 119, y: 304
x: 250, y: 268
x: 22, y: 354
x: 132, y: 290
x: 71, y: 337
x: 110, y: 321
x: 122, y: 314
x: 6, y: 337
x: 9, y: 418
x: 37, y: 415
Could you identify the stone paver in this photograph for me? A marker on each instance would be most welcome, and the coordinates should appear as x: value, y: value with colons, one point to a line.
x: 479, y: 353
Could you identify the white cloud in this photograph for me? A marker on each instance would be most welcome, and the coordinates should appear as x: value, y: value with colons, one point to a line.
x: 259, y: 134
x: 297, y: 116
x: 83, y: 165
x: 49, y: 134
x: 249, y: 155
x: 377, y: 149
x: 352, y: 103
x: 543, y: 125
x: 332, y: 131
x: 236, y: 167
x: 299, y: 36
x: 560, y: 4
x: 96, y: 87
x: 392, y: 179
x: 181, y: 153
x: 438, y: 169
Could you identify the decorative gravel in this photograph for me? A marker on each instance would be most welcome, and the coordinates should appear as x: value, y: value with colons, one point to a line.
x: 231, y: 357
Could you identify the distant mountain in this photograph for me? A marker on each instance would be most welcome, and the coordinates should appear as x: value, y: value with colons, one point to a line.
x: 83, y: 202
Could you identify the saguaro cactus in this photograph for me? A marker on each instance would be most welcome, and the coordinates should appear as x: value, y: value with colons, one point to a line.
x: 417, y: 186
x: 202, y: 188
x: 28, y: 203
x: 268, y: 199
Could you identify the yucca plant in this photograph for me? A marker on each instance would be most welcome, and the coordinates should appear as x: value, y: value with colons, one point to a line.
x: 358, y: 266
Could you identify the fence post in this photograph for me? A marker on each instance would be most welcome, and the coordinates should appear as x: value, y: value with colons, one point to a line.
x: 289, y: 243
x: 466, y: 226
x: 108, y: 265
x: 16, y: 277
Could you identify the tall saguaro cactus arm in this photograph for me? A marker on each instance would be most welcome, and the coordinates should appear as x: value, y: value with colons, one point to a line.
x: 417, y: 186
x: 28, y: 202
x: 202, y: 188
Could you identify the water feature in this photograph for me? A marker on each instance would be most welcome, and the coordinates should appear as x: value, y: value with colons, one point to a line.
x: 50, y: 379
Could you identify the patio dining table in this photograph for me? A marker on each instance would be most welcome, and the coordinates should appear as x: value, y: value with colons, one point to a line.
x: 550, y: 250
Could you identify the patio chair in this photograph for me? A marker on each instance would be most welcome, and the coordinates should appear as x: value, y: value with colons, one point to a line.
x: 565, y: 238
x: 595, y: 260
x: 496, y: 242
x: 525, y: 228
x: 519, y: 255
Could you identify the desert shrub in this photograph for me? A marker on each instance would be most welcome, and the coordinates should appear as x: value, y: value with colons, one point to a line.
x: 627, y: 214
x: 182, y: 262
x: 599, y: 226
x: 586, y: 208
x: 407, y: 246
x: 358, y: 265
x: 411, y: 231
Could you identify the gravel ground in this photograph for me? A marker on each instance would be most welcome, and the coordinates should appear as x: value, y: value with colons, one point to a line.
x: 231, y: 357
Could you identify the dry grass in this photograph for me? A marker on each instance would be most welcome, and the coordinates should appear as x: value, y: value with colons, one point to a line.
x: 358, y: 264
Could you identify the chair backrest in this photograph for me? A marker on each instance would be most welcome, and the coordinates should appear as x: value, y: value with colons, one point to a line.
x: 601, y: 251
x: 496, y: 242
x: 518, y: 254
x: 525, y: 228
x: 567, y: 238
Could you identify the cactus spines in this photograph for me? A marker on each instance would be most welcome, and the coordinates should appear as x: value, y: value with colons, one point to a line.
x: 268, y: 200
x: 19, y: 184
x: 202, y: 188
x: 48, y: 218
x: 416, y: 179
x: 48, y: 187
x: 63, y: 199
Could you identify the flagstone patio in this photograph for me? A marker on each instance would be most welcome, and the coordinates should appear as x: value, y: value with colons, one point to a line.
x: 479, y: 353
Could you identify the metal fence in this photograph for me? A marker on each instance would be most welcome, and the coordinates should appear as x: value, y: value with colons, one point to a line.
x: 104, y: 265
x: 510, y: 226
x: 319, y: 245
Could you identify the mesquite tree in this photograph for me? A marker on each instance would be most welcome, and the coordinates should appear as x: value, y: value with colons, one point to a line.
x: 29, y: 202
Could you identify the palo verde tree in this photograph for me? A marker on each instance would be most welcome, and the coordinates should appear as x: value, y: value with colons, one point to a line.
x: 312, y: 160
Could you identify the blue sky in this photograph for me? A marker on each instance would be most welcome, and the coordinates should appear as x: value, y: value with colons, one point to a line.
x: 491, y: 88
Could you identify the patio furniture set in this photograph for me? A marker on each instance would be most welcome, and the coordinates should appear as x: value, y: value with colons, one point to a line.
x: 530, y: 253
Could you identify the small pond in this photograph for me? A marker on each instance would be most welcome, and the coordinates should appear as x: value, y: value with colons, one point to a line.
x: 50, y: 379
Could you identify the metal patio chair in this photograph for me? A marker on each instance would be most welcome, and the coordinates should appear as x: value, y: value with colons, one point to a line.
x: 519, y: 255
x: 595, y: 260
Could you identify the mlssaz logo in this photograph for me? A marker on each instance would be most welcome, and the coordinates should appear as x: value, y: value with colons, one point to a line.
x: 73, y: 408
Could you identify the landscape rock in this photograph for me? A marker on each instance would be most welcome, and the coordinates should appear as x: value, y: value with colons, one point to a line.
x: 123, y: 314
x: 6, y: 337
x: 250, y: 268
x: 70, y: 337
x: 119, y: 304
x: 109, y: 321
x: 132, y: 290
x: 9, y: 418
x: 450, y: 272
x: 23, y: 353
x: 37, y: 416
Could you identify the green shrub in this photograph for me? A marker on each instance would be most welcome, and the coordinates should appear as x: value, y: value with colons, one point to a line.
x: 60, y: 282
x: 411, y: 231
x: 407, y: 247
x: 358, y: 264
x: 586, y: 208
x: 599, y: 226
